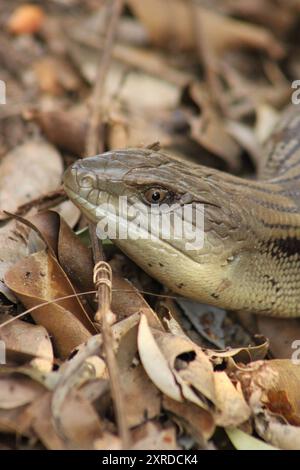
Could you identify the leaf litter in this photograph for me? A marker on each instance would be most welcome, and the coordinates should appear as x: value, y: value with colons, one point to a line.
x: 209, y: 85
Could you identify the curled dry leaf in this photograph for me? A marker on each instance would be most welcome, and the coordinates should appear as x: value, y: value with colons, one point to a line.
x: 38, y: 279
x: 181, y: 370
x: 240, y: 355
x: 176, y: 365
x: 191, y: 368
x: 18, y: 184
x: 68, y: 212
x: 74, y: 257
x: 154, y: 362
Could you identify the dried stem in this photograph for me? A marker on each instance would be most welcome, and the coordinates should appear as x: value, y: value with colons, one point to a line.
x: 93, y: 146
x: 102, y: 279
x: 207, y: 57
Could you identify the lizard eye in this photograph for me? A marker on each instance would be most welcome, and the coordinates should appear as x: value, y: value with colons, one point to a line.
x: 87, y: 181
x: 156, y: 195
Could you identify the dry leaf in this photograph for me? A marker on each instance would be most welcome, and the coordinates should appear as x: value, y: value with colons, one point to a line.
x: 194, y: 420
x: 272, y: 391
x: 141, y: 397
x: 66, y: 129
x: 13, y: 244
x: 25, y: 341
x: 232, y: 409
x: 38, y: 279
x: 18, y: 184
x: 240, y: 355
x: 177, y: 366
x: 18, y: 391
x: 80, y: 422
x: 155, y: 363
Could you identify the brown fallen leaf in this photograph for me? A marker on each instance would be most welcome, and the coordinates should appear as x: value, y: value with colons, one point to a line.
x: 13, y: 244
x: 66, y: 129
x: 177, y: 366
x: 81, y: 423
x: 194, y: 420
x: 18, y: 184
x: 18, y: 391
x: 74, y: 257
x: 139, y: 408
x: 133, y: 376
x: 24, y: 341
x: 181, y: 370
x: 38, y: 279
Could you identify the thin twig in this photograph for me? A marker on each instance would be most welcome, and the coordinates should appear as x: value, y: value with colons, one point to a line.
x: 207, y: 57
x: 93, y: 146
x: 102, y: 280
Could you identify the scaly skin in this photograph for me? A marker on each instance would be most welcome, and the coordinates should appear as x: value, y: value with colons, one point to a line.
x: 251, y: 255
